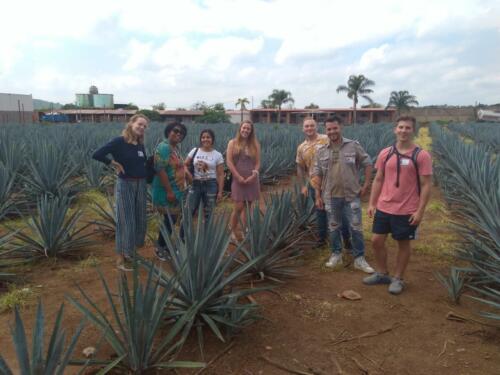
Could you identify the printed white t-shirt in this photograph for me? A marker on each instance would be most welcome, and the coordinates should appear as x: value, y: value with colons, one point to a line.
x: 205, y: 163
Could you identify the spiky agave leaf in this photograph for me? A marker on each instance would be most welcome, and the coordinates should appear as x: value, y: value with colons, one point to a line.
x: 454, y: 283
x: 96, y: 174
x: 303, y: 208
x: 106, y: 222
x: 54, y: 231
x: 50, y: 171
x: 273, y: 237
x: 208, y: 279
x: 7, y: 178
x: 470, y: 179
x: 52, y: 362
x: 134, y: 329
x: 4, y: 253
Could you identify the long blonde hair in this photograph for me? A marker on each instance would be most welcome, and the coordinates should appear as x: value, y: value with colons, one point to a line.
x: 127, y: 133
x: 251, y: 142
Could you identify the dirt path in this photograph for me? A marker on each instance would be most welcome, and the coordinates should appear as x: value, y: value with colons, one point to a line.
x: 305, y: 319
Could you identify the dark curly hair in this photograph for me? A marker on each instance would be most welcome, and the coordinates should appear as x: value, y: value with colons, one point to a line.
x: 175, y: 124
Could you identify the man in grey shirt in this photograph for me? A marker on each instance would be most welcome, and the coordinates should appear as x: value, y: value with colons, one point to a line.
x: 335, y: 177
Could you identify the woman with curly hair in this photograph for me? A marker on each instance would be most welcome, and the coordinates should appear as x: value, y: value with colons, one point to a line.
x: 169, y: 183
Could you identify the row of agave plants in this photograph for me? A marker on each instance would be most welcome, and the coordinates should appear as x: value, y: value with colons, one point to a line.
x: 487, y: 134
x: 205, y: 288
x: 38, y: 160
x: 469, y: 176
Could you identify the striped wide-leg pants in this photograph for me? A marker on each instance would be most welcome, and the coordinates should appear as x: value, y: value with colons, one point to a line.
x: 130, y: 210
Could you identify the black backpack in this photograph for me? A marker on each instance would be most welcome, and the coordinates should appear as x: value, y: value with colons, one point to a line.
x: 413, y: 158
x: 150, y: 169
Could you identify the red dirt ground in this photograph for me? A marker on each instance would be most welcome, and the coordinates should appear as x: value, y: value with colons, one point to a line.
x: 305, y: 318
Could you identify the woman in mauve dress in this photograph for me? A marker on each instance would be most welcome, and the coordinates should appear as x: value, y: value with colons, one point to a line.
x: 243, y: 160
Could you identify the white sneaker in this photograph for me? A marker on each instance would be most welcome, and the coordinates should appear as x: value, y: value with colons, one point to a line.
x: 360, y: 263
x: 334, y: 261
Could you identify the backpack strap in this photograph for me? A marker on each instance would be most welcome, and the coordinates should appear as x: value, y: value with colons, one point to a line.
x: 414, y: 157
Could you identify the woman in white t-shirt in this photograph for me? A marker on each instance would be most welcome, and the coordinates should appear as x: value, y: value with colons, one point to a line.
x: 207, y: 166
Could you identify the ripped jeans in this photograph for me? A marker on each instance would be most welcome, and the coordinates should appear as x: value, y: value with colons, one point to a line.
x: 337, y: 209
x: 203, y: 193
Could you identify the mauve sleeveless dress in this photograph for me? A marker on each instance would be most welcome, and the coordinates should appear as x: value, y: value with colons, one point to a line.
x: 245, y: 192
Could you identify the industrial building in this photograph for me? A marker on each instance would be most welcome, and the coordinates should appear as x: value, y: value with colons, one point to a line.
x: 16, y: 108
x: 94, y: 100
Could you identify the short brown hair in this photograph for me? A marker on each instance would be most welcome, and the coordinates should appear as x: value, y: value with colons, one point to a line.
x: 336, y: 119
x: 407, y: 119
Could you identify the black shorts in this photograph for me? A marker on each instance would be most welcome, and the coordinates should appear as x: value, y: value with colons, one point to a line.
x: 398, y: 225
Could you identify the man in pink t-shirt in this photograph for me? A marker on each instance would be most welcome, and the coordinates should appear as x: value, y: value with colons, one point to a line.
x: 400, y: 193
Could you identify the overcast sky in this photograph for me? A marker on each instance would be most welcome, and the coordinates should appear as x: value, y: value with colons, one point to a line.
x: 181, y: 52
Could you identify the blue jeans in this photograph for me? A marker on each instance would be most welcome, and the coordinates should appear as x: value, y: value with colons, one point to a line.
x: 204, y: 192
x: 169, y: 221
x: 322, y: 220
x: 341, y: 211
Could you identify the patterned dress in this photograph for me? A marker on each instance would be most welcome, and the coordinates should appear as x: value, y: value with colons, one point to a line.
x: 167, y: 158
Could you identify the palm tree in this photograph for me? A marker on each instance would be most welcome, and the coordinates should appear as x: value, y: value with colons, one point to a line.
x: 402, y: 100
x: 266, y: 103
x: 280, y: 97
x: 241, y: 102
x: 357, y: 86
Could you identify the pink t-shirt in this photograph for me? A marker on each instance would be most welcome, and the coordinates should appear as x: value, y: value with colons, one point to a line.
x: 402, y: 200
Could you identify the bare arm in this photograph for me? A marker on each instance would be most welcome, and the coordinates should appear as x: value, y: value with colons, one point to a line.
x: 255, y: 172
x: 368, y: 180
x: 376, y: 189
x: 230, y: 162
x: 301, y: 177
x: 317, y: 182
x: 220, y: 180
x: 425, y: 196
x: 257, y: 159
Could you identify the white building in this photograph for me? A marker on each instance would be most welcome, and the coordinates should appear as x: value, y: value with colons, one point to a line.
x: 16, y: 108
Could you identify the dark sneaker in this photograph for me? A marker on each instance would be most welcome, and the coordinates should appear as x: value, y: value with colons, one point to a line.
x: 161, y: 254
x: 397, y: 285
x: 377, y: 278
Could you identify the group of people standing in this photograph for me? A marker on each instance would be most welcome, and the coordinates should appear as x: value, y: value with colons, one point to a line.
x: 328, y: 165
x: 195, y: 182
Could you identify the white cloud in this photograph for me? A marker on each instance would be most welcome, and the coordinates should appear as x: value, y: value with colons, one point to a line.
x: 216, y: 53
x: 137, y: 55
x: 218, y: 50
